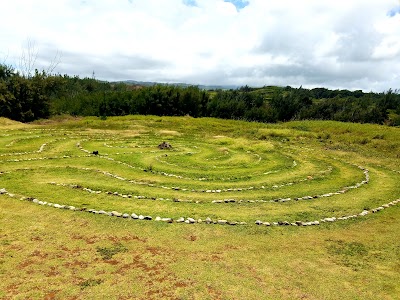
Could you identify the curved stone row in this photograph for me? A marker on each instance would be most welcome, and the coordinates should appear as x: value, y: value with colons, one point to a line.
x: 258, y: 156
x: 41, y: 148
x: 329, y: 219
x: 20, y: 139
x: 121, y: 147
x: 115, y: 193
x: 189, y: 220
x: 46, y: 158
x: 223, y: 179
x: 192, y: 153
x: 133, y: 216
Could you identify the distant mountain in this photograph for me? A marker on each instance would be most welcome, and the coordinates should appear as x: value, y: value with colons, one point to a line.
x: 204, y: 87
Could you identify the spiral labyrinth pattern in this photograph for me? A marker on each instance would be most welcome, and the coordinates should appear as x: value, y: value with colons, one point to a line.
x: 199, y: 179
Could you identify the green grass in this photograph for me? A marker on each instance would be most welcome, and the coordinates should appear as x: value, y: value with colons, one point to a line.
x: 48, y: 253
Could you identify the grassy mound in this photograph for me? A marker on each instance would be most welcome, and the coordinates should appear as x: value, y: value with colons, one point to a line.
x: 7, y: 123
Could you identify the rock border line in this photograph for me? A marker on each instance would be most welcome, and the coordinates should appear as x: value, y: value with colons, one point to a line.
x: 208, y: 220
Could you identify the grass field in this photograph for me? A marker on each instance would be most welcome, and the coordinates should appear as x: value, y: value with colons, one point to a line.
x: 235, y: 210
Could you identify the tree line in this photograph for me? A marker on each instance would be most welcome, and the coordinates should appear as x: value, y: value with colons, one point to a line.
x: 40, y: 95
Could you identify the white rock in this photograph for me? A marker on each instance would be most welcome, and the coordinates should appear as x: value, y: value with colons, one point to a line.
x: 191, y: 220
x: 116, y: 214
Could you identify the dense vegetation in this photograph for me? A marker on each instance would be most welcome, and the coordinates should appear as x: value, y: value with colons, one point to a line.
x: 41, y: 95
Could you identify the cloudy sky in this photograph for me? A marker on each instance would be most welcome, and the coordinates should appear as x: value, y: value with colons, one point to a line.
x: 352, y: 44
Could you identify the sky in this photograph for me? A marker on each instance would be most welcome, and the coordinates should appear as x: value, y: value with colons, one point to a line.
x: 338, y: 44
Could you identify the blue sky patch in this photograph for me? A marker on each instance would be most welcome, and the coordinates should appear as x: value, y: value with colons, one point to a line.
x: 190, y: 2
x: 394, y: 11
x: 238, y: 3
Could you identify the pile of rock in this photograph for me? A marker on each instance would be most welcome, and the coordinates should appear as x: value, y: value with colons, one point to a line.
x: 165, y: 146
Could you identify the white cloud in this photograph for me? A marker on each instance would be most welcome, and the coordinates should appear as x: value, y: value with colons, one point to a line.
x: 337, y: 44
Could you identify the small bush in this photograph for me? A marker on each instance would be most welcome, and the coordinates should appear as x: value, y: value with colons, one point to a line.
x: 363, y: 141
x: 89, y: 283
x: 109, y: 252
x: 262, y: 137
x: 275, y: 134
x: 324, y: 136
x: 149, y: 168
x: 379, y: 137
